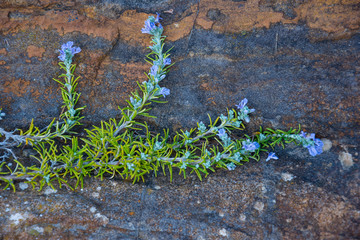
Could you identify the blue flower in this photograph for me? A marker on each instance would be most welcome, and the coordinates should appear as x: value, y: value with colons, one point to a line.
x: 62, y: 56
x: 152, y: 26
x: 224, y: 137
x: 317, y: 148
x: 244, y: 110
x: 242, y: 104
x: 250, y: 146
x: 157, y: 19
x: 310, y: 137
x: 314, y: 145
x: 68, y: 51
x: 167, y: 61
x: 271, y: 156
x: 154, y: 70
x: 164, y: 91
x: 222, y: 133
x: 157, y: 79
x: 149, y: 27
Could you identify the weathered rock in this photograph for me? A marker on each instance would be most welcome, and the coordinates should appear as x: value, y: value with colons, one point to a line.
x: 296, y: 61
x: 251, y: 202
x: 278, y: 54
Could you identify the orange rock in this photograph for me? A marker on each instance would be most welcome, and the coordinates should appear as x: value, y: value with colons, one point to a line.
x: 236, y: 17
x: 340, y: 18
x: 17, y: 86
x: 329, y: 16
x: 129, y: 25
x: 34, y: 51
x: 3, y: 51
x: 62, y: 21
x: 180, y: 29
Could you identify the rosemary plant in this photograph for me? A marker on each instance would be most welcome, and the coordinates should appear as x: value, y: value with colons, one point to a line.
x: 114, y: 148
x: 70, y: 117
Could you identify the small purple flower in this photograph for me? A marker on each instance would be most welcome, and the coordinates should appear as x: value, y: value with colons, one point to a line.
x: 157, y: 19
x: 303, y: 134
x: 250, y: 146
x: 244, y: 110
x: 167, y: 61
x: 242, y: 104
x: 271, y: 156
x: 152, y: 25
x: 247, y: 111
x: 314, y: 145
x: 159, y: 78
x: 67, y: 50
x: 62, y: 55
x: 164, y: 91
x: 149, y: 27
x: 222, y: 133
x: 154, y: 70
x: 317, y: 148
x: 312, y: 135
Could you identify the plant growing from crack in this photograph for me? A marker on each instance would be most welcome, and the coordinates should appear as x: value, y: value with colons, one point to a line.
x: 114, y: 148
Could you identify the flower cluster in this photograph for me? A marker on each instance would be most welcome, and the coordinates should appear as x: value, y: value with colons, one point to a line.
x: 224, y: 137
x: 161, y: 61
x: 163, y: 91
x: 250, y: 146
x: 153, y: 26
x: 244, y: 110
x: 314, y: 145
x: 67, y: 52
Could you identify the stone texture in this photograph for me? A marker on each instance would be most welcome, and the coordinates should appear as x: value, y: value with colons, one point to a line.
x: 251, y: 202
x: 296, y: 61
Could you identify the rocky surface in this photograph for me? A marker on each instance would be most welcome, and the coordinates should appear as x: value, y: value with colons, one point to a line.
x: 292, y: 198
x: 296, y: 61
